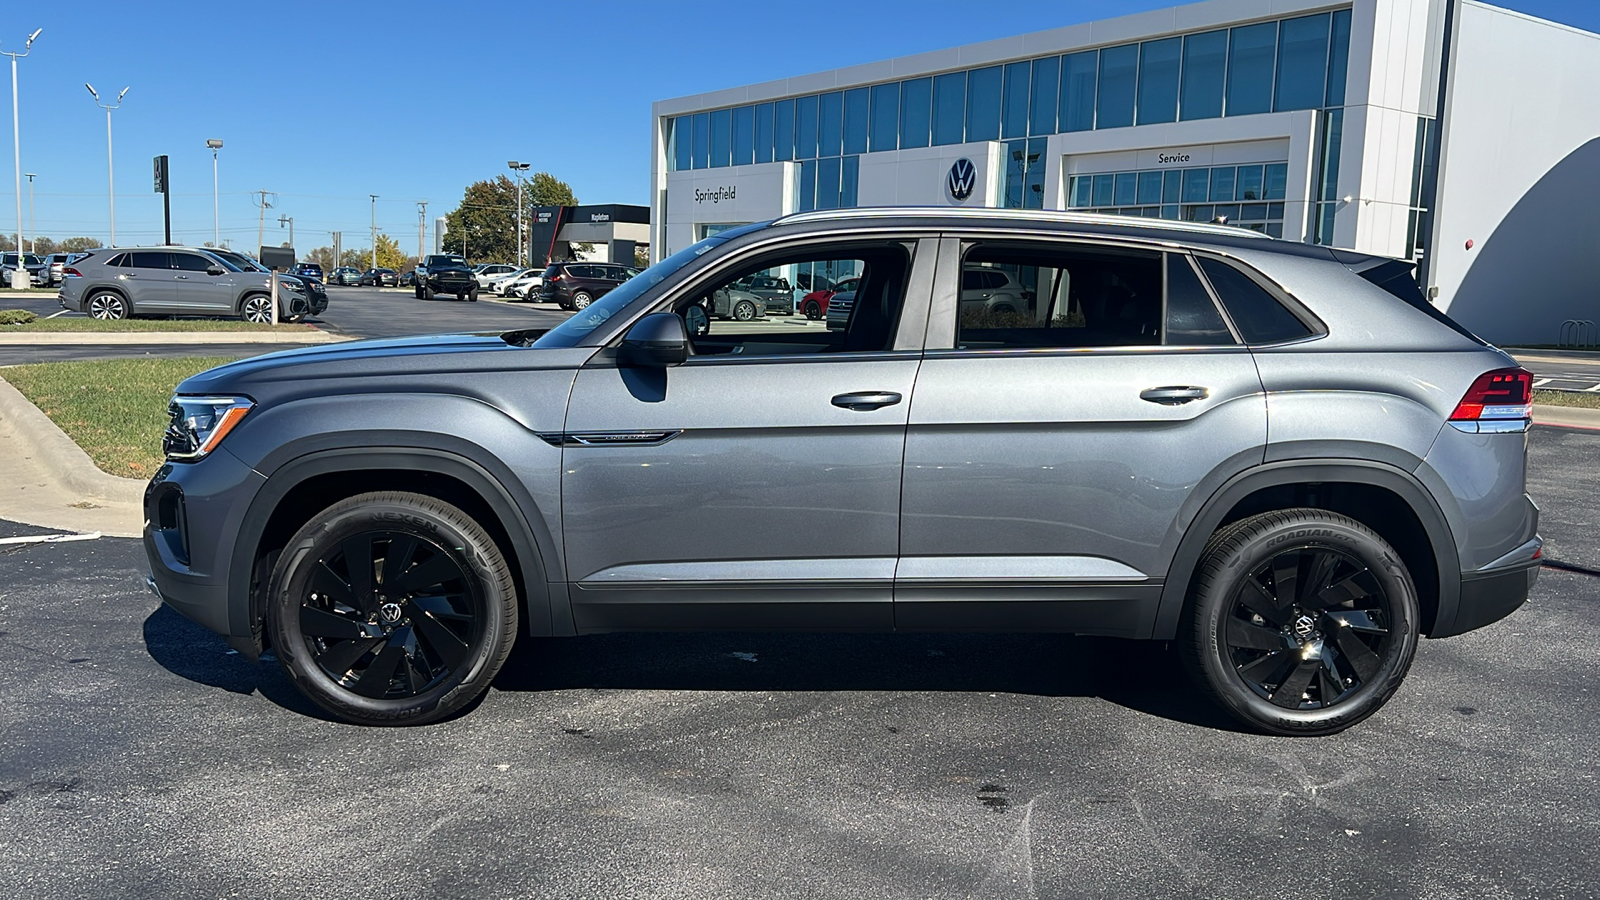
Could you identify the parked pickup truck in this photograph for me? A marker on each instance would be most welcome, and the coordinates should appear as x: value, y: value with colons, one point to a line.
x: 446, y: 274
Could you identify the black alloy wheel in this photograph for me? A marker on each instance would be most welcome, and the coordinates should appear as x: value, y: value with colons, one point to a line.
x: 392, y: 608
x: 813, y: 310
x: 1304, y: 621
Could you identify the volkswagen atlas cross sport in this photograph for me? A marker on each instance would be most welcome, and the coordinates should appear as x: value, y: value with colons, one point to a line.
x: 1278, y: 456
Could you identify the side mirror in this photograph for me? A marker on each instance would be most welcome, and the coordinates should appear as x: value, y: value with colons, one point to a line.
x: 216, y: 270
x: 657, y: 341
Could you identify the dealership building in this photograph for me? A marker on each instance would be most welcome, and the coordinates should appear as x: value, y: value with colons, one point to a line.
x: 1453, y: 133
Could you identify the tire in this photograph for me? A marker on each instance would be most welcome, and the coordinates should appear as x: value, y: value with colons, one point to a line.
x: 1301, y: 622
x: 472, y: 295
x: 581, y: 299
x: 460, y: 297
x: 256, y: 308
x: 744, y: 310
x: 108, y: 305
x: 813, y: 310
x: 431, y: 641
x: 418, y: 292
x: 427, y: 293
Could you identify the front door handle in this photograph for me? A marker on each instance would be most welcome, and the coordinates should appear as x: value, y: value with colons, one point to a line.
x: 181, y: 277
x: 1173, y: 396
x: 866, y: 401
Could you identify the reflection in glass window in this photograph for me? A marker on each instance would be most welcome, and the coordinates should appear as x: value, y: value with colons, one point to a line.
x: 1082, y: 193
x: 1042, y: 102
x: 721, y: 138
x: 1149, y: 188
x: 1222, y: 184
x: 702, y: 140
x: 1196, y: 185
x: 1016, y: 173
x: 1192, y: 316
x: 744, y: 136
x: 1104, y: 189
x: 1158, y: 80
x: 764, y: 135
x: 1051, y: 296
x: 1302, y: 62
x: 783, y: 130
x: 828, y: 183
x: 1033, y: 194
x: 808, y: 185
x: 682, y: 143
x: 949, y: 107
x: 849, y: 180
x: 1251, y: 183
x: 1127, y: 190
x: 885, y: 115
x: 983, y: 104
x: 1205, y: 58
x: 1078, y: 78
x: 1119, y: 77
x: 1251, y: 52
x: 805, y: 127
x: 916, y: 111
x: 1339, y: 58
x: 857, y: 103
x: 830, y: 124
x: 1171, y: 186
x: 1277, y: 181
x: 1014, y: 109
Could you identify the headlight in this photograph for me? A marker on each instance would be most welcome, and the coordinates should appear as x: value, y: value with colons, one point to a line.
x: 198, y: 424
x: 296, y: 286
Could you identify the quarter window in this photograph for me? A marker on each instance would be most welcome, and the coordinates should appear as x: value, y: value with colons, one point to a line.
x: 1260, y: 318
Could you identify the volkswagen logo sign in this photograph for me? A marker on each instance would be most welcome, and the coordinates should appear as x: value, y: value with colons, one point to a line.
x: 390, y: 613
x: 962, y: 179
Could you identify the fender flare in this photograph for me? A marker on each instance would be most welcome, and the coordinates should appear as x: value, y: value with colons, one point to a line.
x: 1447, y: 560
x: 540, y: 604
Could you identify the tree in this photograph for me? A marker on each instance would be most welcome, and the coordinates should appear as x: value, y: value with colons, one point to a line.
x: 79, y: 244
x: 487, y: 216
x: 355, y: 259
x: 390, y: 256
x: 322, y: 256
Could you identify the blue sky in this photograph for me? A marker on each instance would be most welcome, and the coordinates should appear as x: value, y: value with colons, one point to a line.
x: 326, y: 103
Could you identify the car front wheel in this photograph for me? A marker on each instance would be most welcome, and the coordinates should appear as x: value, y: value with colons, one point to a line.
x: 744, y: 310
x: 1302, y: 621
x: 258, y: 309
x: 392, y: 609
x: 813, y: 310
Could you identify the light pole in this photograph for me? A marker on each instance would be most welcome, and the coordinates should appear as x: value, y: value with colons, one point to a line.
x: 374, y: 230
x: 111, y: 180
x: 517, y: 168
x: 19, y: 275
x: 33, y: 230
x: 216, y: 217
x: 422, y: 227
x: 290, y: 221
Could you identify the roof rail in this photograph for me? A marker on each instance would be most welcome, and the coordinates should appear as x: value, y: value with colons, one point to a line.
x: 1061, y: 217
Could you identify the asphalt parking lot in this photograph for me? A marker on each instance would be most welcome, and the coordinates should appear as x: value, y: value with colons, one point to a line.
x: 139, y: 757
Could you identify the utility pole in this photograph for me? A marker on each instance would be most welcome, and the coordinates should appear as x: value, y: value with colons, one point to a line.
x: 33, y: 230
x: 260, y: 198
x: 422, y: 227
x: 290, y: 221
x: 374, y: 230
x: 338, y: 250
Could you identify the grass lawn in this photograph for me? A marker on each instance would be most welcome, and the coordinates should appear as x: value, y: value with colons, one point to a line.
x: 115, y: 409
x: 86, y: 324
x: 1580, y: 399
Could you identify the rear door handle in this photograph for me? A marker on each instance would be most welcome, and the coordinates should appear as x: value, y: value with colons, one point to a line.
x: 866, y: 401
x: 1173, y: 396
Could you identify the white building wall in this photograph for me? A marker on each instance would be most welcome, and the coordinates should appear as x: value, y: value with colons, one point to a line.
x: 1519, y: 178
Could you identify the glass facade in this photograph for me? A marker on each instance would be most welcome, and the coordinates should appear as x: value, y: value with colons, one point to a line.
x: 1296, y: 63
x: 1250, y: 196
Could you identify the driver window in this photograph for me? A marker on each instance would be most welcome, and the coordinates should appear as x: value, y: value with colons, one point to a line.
x: 826, y: 301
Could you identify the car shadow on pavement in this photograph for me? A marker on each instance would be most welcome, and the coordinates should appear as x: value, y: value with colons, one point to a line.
x: 1145, y: 676
x: 191, y: 651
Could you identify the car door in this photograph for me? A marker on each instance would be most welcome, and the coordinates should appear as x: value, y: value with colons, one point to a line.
x: 146, y: 276
x: 198, y: 291
x: 1053, y: 455
x: 757, y: 485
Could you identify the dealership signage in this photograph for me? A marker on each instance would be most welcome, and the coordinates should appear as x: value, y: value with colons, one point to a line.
x: 1172, y: 159
x: 962, y: 179
x: 717, y: 195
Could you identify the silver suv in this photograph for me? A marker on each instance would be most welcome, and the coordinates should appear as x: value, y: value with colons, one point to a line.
x: 117, y: 284
x: 1277, y: 456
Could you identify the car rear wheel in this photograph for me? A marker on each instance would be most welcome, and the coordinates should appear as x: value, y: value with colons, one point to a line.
x: 392, y: 609
x: 744, y: 310
x: 813, y: 310
x: 107, y: 305
x: 1302, y: 621
x: 581, y: 299
x: 257, y: 308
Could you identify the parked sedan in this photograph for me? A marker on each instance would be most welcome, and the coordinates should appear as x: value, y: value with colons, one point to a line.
x: 777, y: 292
x: 379, y: 278
x: 408, y: 279
x: 815, y: 304
x: 345, y: 275
x: 524, y: 284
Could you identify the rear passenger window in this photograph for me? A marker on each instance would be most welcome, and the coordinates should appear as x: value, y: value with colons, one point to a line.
x: 1260, y: 318
x: 144, y: 259
x: 1059, y: 297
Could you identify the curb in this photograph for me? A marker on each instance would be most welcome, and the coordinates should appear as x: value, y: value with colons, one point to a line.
x: 59, y: 455
x: 118, y: 338
x: 1567, y: 417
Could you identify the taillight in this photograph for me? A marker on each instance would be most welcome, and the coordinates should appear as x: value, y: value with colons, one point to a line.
x: 1498, y: 401
x: 71, y: 272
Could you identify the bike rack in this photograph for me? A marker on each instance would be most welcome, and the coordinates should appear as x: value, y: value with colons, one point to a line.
x: 1579, y: 333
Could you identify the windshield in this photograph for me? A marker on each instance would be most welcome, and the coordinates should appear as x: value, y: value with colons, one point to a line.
x: 238, y: 261
x: 575, y: 329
